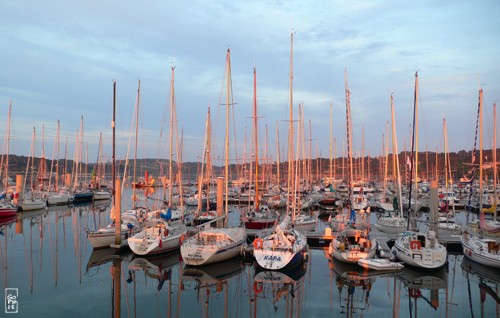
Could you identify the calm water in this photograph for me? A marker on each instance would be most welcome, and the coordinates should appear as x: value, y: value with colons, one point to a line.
x: 46, y: 256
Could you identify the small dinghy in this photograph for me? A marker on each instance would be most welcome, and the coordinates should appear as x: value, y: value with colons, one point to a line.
x: 380, y: 264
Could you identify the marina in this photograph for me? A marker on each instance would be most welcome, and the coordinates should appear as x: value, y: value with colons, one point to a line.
x: 133, y: 185
x: 47, y: 256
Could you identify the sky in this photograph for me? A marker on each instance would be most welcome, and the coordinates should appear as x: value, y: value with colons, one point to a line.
x: 59, y: 60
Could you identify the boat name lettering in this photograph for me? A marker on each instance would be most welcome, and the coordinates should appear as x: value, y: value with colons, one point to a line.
x: 272, y: 258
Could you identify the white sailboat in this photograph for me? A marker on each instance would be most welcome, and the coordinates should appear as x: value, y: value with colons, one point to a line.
x: 258, y: 217
x: 301, y: 221
x: 284, y: 247
x: 393, y: 221
x: 105, y: 236
x: 130, y: 220
x: 482, y: 250
x: 157, y: 236
x: 212, y: 245
x: 414, y: 248
x: 30, y: 203
x: 420, y: 250
x: 351, y: 244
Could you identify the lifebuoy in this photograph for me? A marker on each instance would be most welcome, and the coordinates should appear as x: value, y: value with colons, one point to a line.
x: 415, y: 245
x: 258, y: 243
x: 257, y: 287
x: 415, y: 293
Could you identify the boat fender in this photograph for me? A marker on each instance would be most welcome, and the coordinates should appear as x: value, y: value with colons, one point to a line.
x: 415, y: 293
x: 257, y: 287
x: 181, y: 239
x: 415, y: 245
x: 258, y: 243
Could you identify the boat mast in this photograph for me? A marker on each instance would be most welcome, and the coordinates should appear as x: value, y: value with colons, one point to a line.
x: 413, y: 142
x: 256, y: 138
x: 278, y: 159
x: 331, y: 140
x: 480, y: 150
x: 6, y: 180
x: 113, y: 142
x: 395, y: 151
x: 172, y: 105
x: 57, y: 150
x: 494, y: 147
x: 349, y: 137
x: 290, y: 129
x: 135, y: 148
x: 226, y: 150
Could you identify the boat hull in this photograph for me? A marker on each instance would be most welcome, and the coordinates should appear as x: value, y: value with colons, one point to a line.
x: 380, y: 264
x: 479, y: 254
x: 193, y: 256
x: 423, y: 258
x: 278, y: 259
x: 260, y: 224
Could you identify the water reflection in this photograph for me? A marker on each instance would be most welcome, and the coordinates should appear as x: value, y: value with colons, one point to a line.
x: 158, y: 268
x: 47, y: 256
x: 487, y: 280
x: 283, y: 290
x: 354, y: 285
x: 423, y: 287
x: 211, y: 279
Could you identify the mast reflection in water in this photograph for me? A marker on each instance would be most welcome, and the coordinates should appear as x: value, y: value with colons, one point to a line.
x: 46, y: 255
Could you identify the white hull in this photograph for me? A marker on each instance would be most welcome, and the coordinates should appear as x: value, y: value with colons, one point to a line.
x: 32, y: 205
x: 105, y: 237
x: 279, y: 258
x: 60, y: 199
x: 102, y: 195
x: 154, y: 240
x: 423, y: 256
x: 213, y: 245
x: 280, y: 249
x: 305, y: 223
x: 352, y: 245
x: 380, y: 264
x: 391, y: 225
x: 477, y: 250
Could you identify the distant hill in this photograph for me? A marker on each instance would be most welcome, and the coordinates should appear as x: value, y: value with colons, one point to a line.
x: 458, y: 161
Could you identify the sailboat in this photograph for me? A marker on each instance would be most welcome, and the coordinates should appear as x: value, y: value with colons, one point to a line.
x: 284, y: 247
x: 203, y: 197
x: 160, y: 234
x: 30, y: 203
x: 301, y: 220
x: 349, y: 217
x: 7, y: 209
x: 393, y: 221
x: 484, y: 251
x: 419, y: 249
x: 351, y: 244
x: 258, y: 217
x: 60, y: 196
x: 210, y: 245
x: 131, y: 219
